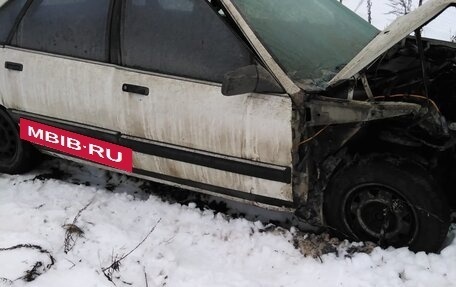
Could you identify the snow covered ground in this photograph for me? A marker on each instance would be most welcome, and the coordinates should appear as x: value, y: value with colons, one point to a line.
x: 188, y: 247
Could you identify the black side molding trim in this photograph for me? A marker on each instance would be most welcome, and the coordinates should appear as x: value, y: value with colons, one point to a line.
x: 104, y: 136
x: 278, y: 174
x: 203, y: 186
x: 274, y: 174
x: 217, y: 189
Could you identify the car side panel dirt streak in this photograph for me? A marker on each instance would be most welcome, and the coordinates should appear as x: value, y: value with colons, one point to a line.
x: 262, y: 136
x: 252, y: 127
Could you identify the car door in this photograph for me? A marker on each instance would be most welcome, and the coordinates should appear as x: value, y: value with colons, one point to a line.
x: 9, y: 11
x: 62, y: 49
x: 183, y: 130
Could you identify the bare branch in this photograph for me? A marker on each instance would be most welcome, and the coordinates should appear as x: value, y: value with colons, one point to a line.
x: 82, y: 210
x: 369, y: 11
x: 115, y: 266
x: 72, y: 231
x: 38, y: 268
x: 145, y: 277
x: 400, y: 7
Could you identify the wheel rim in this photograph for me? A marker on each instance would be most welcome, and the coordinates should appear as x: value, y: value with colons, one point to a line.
x: 8, y: 141
x: 381, y: 214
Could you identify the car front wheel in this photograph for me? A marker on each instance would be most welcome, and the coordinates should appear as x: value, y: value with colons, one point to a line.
x: 393, y: 203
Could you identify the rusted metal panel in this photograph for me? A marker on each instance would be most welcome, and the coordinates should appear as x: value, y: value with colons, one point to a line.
x: 327, y: 111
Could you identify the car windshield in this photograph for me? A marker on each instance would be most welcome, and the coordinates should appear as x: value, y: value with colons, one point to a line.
x: 310, y: 39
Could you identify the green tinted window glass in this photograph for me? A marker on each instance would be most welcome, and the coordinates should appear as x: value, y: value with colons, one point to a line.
x: 311, y: 39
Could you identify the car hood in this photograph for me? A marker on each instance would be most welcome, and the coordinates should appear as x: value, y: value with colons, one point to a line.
x: 398, y: 30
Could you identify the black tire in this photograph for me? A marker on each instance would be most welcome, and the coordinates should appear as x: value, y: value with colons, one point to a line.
x: 393, y: 203
x: 16, y: 156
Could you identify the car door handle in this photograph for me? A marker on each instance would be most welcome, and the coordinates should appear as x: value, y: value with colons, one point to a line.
x: 14, y: 66
x: 135, y: 89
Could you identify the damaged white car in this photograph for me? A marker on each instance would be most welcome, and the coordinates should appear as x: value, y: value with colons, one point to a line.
x: 293, y: 105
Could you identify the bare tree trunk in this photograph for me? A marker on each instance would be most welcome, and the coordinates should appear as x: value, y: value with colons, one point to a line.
x: 400, y: 7
x: 369, y: 11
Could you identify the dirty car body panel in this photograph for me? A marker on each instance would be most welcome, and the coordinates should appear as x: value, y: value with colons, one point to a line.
x: 390, y: 101
x: 309, y: 105
x: 183, y: 132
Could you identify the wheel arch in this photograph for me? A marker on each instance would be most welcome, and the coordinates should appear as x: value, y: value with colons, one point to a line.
x: 340, y: 146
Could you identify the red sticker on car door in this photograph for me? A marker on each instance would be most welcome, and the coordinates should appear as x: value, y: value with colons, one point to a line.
x: 77, y: 145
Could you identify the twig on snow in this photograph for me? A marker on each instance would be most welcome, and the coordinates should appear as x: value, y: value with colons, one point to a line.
x: 38, y: 268
x: 115, y: 266
x: 6, y: 282
x: 145, y: 277
x: 72, y: 231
